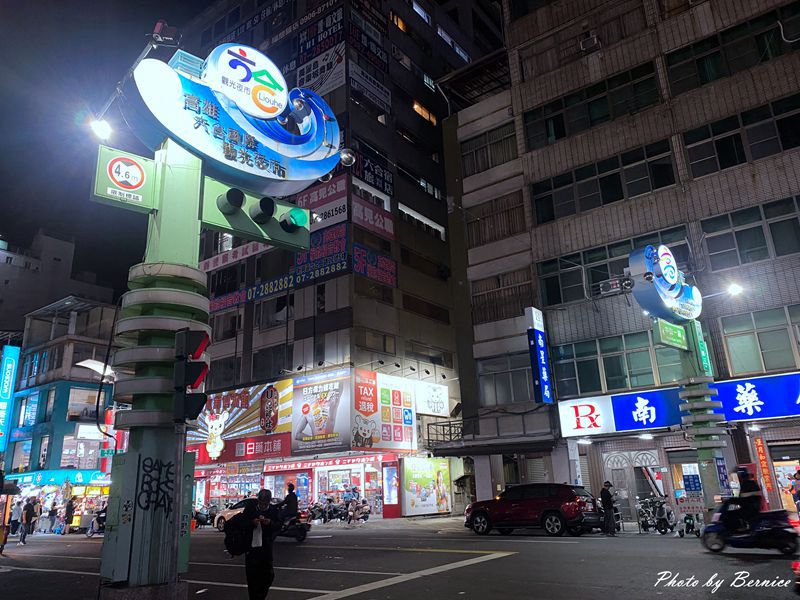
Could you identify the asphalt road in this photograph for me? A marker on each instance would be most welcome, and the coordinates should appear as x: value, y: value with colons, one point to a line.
x: 423, y: 560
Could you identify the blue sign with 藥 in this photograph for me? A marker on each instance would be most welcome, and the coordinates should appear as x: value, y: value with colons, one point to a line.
x: 8, y: 378
x: 769, y: 397
x: 646, y: 410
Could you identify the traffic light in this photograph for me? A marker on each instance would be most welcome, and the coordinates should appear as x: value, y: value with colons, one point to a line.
x: 190, y: 371
x: 253, y: 217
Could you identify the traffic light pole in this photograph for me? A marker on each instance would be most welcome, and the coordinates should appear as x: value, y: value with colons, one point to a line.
x: 147, y: 523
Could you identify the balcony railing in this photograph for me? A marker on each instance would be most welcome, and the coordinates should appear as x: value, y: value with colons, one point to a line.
x: 489, y: 427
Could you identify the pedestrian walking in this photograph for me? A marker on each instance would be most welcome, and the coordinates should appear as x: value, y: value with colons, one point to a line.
x: 69, y: 513
x: 37, y: 516
x: 16, y: 517
x: 53, y: 516
x: 264, y: 519
x: 27, y: 521
x: 607, y: 501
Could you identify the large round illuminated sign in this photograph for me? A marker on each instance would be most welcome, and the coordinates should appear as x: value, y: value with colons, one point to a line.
x: 247, y: 78
x: 660, y: 287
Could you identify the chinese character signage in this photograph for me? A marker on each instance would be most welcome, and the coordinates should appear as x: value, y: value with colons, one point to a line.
x: 374, y: 265
x: 261, y: 410
x: 339, y: 461
x: 373, y: 218
x: 773, y: 396
x: 326, y: 257
x: 324, y: 193
x: 763, y: 464
x: 225, y: 110
x: 324, y: 73
x: 276, y: 13
x: 373, y: 169
x: 660, y: 287
x: 321, y: 413
x: 321, y: 35
x: 372, y: 89
x: 368, y: 47
x: 540, y: 361
x: 426, y: 486
x: 8, y: 379
x: 261, y: 291
x: 234, y: 255
x: 329, y: 214
x: 384, y: 415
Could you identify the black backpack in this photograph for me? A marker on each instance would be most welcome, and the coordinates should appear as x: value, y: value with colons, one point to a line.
x: 238, y: 536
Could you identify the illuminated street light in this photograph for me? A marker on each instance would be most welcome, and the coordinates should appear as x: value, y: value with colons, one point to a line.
x: 735, y: 289
x: 101, y: 128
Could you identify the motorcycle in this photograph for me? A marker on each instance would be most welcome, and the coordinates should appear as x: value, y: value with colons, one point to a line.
x: 98, y: 525
x: 316, y: 512
x: 665, y: 518
x: 691, y: 524
x: 645, y: 510
x: 358, y: 512
x: 294, y: 527
x: 768, y: 530
x: 201, y: 516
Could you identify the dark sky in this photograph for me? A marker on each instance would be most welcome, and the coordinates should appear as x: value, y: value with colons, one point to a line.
x: 61, y: 58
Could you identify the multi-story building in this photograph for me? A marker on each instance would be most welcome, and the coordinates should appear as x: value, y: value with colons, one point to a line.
x: 628, y: 123
x: 374, y: 290
x: 53, y: 434
x: 40, y: 275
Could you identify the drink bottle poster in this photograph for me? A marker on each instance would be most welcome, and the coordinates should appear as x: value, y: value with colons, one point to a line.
x: 321, y: 413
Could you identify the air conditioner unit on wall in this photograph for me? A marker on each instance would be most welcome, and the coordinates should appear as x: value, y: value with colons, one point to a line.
x: 609, y: 287
x: 590, y: 43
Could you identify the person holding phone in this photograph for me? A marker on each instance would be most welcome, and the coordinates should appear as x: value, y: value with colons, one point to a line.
x: 258, y: 560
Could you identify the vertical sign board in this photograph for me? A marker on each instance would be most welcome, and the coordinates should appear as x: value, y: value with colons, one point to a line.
x: 763, y: 464
x: 8, y: 376
x: 540, y: 362
x: 186, y: 511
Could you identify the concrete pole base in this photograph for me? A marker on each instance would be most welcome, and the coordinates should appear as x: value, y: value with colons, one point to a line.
x: 167, y: 591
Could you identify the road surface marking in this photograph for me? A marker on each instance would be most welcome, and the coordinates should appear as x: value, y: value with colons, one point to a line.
x: 52, y: 571
x: 476, y: 539
x: 399, y: 549
x: 211, y: 564
x: 368, y: 587
x: 244, y: 585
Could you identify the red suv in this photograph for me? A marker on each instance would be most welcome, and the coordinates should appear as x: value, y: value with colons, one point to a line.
x: 555, y: 507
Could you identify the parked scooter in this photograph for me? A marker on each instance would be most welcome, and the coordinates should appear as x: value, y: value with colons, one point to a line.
x: 665, y: 518
x: 98, y: 524
x: 358, y: 512
x: 768, y: 530
x: 691, y: 524
x: 201, y: 516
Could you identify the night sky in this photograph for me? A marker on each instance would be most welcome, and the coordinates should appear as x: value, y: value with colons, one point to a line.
x: 61, y: 58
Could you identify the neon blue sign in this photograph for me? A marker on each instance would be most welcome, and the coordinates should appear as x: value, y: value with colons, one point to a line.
x: 8, y: 378
x: 776, y: 396
x: 540, y: 361
x: 660, y: 287
x: 236, y: 112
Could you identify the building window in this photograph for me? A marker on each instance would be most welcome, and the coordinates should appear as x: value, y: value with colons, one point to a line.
x: 80, y: 454
x: 83, y: 404
x: 505, y: 380
x: 205, y: 38
x: 421, y: 11
x: 233, y: 17
x: 398, y: 21
x: 223, y: 372
x: 488, y: 150
x: 578, y: 276
x: 371, y: 289
x: 224, y: 242
x: 219, y: 28
x: 28, y: 409
x: 269, y: 362
x: 615, y: 97
x: 429, y: 81
x: 426, y: 354
x: 21, y: 460
x: 424, y: 113
x: 495, y: 220
x: 753, y: 134
x: 452, y: 43
x: 273, y: 312
x: 421, y: 222
x: 424, y: 265
x: 44, y: 446
x: 753, y: 234
x: 426, y: 185
x: 761, y: 341
x: 224, y: 326
x: 732, y: 50
x: 51, y: 402
x: 502, y: 296
x: 375, y: 340
x: 626, y: 175
x: 613, y: 363
x: 426, y: 309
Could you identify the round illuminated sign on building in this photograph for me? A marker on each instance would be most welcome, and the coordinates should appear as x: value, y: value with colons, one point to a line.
x: 660, y: 287
x: 247, y: 78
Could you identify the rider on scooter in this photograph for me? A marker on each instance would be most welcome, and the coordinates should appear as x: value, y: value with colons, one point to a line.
x: 749, y: 501
x: 288, y: 507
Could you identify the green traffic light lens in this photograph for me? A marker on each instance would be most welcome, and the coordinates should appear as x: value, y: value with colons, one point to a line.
x: 298, y: 217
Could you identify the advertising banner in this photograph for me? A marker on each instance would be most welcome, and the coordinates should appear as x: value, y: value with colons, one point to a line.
x: 384, y: 417
x: 329, y: 214
x: 373, y: 218
x: 234, y: 255
x: 373, y: 90
x: 368, y: 47
x: 431, y: 399
x: 374, y: 265
x: 324, y: 73
x: 339, y: 461
x: 326, y: 257
x: 59, y: 476
x: 258, y: 447
x: 760, y: 397
x: 763, y: 464
x: 373, y: 169
x: 276, y: 286
x: 321, y: 413
x: 8, y: 378
x: 260, y: 410
x: 316, y: 195
x: 321, y: 35
x: 426, y: 486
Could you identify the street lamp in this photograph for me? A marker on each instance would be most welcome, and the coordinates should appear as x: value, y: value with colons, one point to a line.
x: 101, y: 128
x: 734, y: 289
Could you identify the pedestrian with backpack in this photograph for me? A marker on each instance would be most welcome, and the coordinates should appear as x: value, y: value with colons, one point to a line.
x: 263, y: 519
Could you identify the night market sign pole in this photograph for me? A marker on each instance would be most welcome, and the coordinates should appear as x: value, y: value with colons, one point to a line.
x: 218, y: 127
x: 674, y: 306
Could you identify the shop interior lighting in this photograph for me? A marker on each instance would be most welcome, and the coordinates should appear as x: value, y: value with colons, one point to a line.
x: 585, y: 442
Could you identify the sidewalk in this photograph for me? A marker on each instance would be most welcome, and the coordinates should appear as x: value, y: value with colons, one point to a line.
x: 433, y: 522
